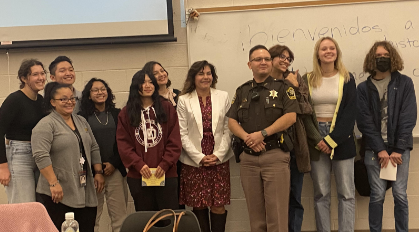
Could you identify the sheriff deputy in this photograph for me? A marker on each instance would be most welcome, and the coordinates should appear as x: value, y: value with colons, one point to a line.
x: 262, y: 108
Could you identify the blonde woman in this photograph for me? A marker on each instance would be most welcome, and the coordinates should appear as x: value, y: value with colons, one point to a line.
x: 330, y: 134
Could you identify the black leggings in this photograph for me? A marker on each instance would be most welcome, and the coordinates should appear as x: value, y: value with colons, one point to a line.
x: 86, y: 217
x: 156, y: 197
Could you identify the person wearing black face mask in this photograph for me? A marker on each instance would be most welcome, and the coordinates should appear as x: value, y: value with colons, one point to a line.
x: 383, y: 63
x: 386, y: 117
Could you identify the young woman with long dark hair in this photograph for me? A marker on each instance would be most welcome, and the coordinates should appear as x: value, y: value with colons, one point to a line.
x: 165, y: 90
x: 148, y: 137
x: 162, y: 77
x: 98, y: 108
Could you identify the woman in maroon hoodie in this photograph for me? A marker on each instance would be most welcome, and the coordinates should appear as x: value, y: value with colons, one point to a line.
x: 148, y: 137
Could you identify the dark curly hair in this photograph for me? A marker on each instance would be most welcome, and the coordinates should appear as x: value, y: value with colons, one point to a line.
x: 197, y: 67
x: 135, y: 104
x: 395, y: 58
x: 149, y: 68
x: 87, y: 106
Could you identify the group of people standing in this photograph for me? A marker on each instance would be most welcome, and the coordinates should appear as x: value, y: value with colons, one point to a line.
x: 70, y: 150
x: 317, y: 112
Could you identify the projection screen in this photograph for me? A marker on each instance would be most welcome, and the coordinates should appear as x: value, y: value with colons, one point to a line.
x: 28, y: 23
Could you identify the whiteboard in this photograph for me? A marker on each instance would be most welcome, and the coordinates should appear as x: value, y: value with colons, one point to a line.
x: 225, y: 38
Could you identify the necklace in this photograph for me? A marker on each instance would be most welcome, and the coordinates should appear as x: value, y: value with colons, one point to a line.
x: 107, y: 118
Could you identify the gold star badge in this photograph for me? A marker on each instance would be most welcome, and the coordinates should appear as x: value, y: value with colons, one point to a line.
x: 273, y: 94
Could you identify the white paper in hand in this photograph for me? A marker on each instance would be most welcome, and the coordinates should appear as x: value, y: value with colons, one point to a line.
x: 389, y: 172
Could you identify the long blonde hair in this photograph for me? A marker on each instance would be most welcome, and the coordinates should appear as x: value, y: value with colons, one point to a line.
x: 315, y: 77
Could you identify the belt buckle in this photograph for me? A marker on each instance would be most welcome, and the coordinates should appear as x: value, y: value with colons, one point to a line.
x: 251, y: 152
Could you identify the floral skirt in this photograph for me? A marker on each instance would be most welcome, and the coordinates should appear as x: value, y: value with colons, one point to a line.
x: 205, y: 186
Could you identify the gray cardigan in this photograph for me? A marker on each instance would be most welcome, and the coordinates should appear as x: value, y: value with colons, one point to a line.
x: 53, y: 142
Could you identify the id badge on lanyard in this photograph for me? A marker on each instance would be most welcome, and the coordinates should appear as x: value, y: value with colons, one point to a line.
x: 82, y: 172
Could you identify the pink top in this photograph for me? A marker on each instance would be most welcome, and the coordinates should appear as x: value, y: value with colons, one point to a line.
x: 30, y: 216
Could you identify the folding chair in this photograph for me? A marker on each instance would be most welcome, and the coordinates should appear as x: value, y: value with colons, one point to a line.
x: 137, y: 221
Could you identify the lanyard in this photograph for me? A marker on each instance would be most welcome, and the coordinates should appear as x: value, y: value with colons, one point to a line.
x: 82, y: 160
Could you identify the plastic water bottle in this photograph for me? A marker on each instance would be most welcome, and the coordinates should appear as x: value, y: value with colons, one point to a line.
x: 70, y: 225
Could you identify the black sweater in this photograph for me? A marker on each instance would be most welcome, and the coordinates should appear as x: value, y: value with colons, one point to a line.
x: 18, y: 116
x: 115, y: 160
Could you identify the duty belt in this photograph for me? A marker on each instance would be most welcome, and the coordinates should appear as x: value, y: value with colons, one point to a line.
x: 269, y: 146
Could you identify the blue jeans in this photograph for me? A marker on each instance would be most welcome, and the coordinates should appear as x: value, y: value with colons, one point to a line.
x: 24, y: 172
x: 378, y: 192
x: 296, y: 209
x: 345, y: 186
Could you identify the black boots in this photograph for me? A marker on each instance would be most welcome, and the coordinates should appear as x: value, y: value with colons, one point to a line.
x: 218, y: 222
x: 203, y: 219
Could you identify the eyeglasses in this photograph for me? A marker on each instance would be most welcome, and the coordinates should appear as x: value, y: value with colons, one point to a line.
x: 66, y: 100
x: 96, y: 91
x: 259, y: 59
x: 283, y: 58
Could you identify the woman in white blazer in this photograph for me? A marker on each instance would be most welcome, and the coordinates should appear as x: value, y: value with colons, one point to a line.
x: 205, y: 175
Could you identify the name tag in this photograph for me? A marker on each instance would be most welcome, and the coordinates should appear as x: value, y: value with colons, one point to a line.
x: 82, y: 177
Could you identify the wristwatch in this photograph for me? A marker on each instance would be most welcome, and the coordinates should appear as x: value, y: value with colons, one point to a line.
x: 264, y: 133
x: 99, y: 172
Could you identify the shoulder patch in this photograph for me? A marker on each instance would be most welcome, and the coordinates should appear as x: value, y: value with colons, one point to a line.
x: 291, y: 93
x: 234, y: 98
